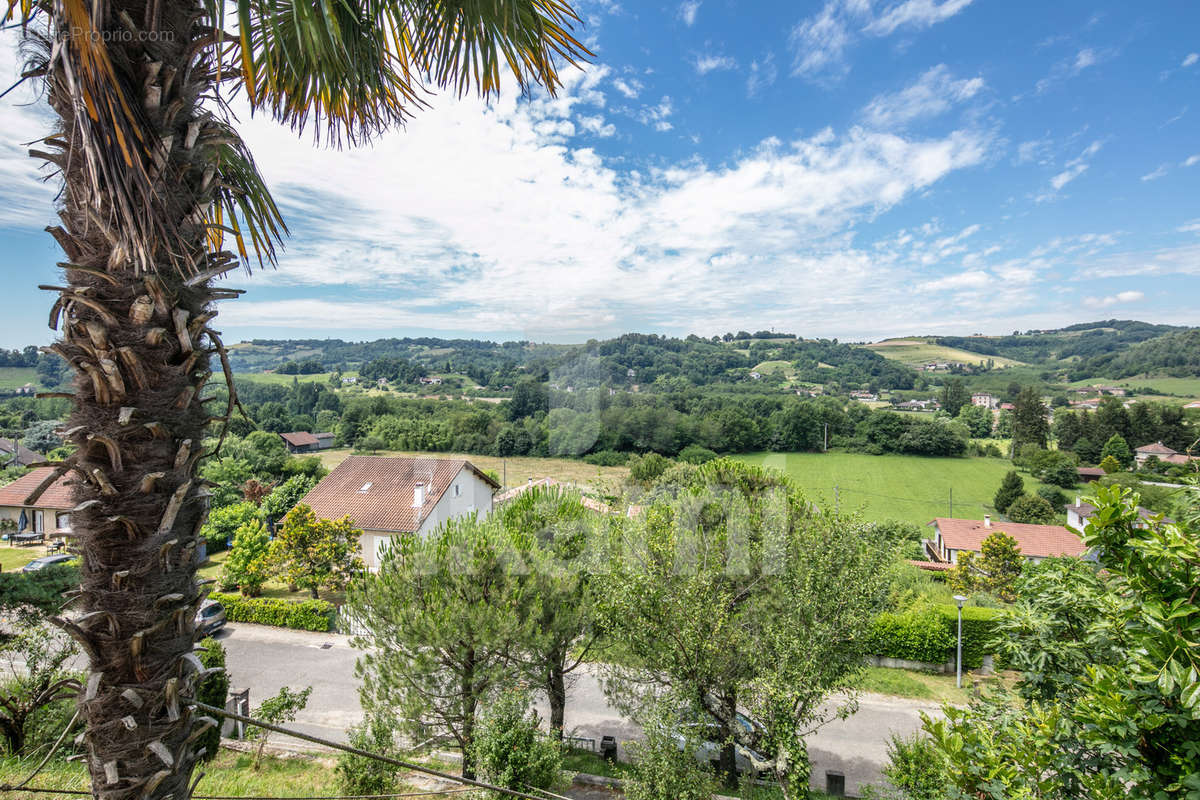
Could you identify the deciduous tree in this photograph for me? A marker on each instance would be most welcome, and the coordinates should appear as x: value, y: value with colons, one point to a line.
x: 313, y: 553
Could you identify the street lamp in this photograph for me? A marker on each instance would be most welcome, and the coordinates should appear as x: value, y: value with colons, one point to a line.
x: 960, y: 599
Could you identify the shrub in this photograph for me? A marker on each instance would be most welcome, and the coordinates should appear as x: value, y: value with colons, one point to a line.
x: 1032, y: 510
x: 914, y: 635
x: 916, y: 770
x: 213, y: 691
x: 661, y: 770
x: 41, y: 590
x: 1110, y: 465
x: 223, y: 523
x: 1011, y: 489
x: 247, y: 567
x: 979, y: 625
x: 508, y: 749
x: 1059, y: 468
x: 359, y: 775
x: 304, y: 615
x: 1052, y: 495
x: 695, y: 454
x: 607, y: 458
x: 646, y: 469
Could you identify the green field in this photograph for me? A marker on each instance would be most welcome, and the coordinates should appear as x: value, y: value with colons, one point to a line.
x: 16, y: 377
x: 284, y: 380
x: 1180, y: 387
x: 914, y: 352
x: 911, y: 488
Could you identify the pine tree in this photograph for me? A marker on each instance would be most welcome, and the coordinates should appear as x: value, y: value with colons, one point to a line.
x: 1011, y: 488
x: 1030, y: 424
x: 1118, y: 449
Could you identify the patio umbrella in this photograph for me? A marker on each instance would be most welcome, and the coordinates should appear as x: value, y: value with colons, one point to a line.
x: 22, y: 522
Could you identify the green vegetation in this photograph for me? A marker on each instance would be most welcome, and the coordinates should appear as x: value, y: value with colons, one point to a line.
x: 908, y: 488
x: 16, y: 377
x: 304, y: 615
x: 915, y: 351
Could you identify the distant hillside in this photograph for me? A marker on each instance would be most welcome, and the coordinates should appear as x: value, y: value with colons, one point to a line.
x: 1175, y: 354
x: 916, y: 351
x: 631, y: 358
x: 1085, y: 342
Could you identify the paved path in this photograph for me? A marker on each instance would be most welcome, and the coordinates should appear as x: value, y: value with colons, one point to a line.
x: 263, y: 659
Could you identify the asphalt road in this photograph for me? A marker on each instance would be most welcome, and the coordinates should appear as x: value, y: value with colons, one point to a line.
x: 263, y: 659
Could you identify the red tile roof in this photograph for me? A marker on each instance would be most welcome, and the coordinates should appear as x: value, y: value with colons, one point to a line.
x: 57, y: 497
x: 1034, y: 540
x: 517, y: 491
x: 1090, y: 472
x: 931, y: 566
x: 1156, y: 449
x: 377, y: 492
x: 300, y: 439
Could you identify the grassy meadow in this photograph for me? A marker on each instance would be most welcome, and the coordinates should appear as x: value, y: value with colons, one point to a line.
x: 1179, y: 387
x: 16, y: 377
x: 912, y: 488
x: 914, y: 351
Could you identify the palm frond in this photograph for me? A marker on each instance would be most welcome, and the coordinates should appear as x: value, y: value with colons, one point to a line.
x: 357, y: 67
x: 242, y: 205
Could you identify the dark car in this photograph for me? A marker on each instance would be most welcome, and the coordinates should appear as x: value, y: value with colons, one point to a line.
x: 210, y: 618
x: 47, y: 561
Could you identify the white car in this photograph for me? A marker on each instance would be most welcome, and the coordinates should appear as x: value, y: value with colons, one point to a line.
x: 705, y: 737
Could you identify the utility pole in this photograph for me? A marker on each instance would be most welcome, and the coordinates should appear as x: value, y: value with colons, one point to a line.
x: 825, y: 449
x: 505, y: 463
x: 837, y: 502
x: 952, y: 501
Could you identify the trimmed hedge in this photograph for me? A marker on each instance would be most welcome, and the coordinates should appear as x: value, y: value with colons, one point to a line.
x: 977, y: 630
x: 931, y: 634
x: 304, y: 615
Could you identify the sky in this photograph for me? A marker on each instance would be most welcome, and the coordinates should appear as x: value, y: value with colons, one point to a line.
x: 853, y: 168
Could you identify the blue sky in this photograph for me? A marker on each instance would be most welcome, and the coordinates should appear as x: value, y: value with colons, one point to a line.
x: 852, y: 168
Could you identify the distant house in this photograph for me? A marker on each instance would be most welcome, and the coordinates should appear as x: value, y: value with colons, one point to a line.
x: 300, y: 442
x: 756, y: 375
x: 47, y: 516
x: 955, y: 536
x: 1085, y: 405
x: 350, y: 381
x: 430, y: 380
x: 866, y: 397
x: 15, y: 454
x: 1079, y: 512
x: 1007, y: 407
x: 985, y: 400
x: 389, y: 496
x: 1195, y: 404
x: 27, y: 389
x: 1090, y: 474
x: 324, y: 440
x: 1165, y: 454
x: 919, y: 405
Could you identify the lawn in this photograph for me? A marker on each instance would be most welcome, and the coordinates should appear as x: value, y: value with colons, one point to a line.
x: 912, y: 488
x: 921, y: 351
x: 1179, y: 387
x: 211, y: 569
x: 16, y: 377
x: 13, y: 558
x: 284, y: 380
x: 517, y: 469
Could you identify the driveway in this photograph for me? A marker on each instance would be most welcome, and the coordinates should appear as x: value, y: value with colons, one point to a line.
x: 263, y: 659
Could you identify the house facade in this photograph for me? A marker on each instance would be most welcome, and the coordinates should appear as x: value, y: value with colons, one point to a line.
x: 952, y: 537
x: 15, y: 454
x: 985, y: 400
x: 389, y: 496
x: 1165, y: 454
x: 49, y: 515
x: 1079, y: 512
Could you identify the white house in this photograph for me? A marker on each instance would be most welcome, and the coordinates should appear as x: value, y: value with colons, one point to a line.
x: 954, y: 536
x: 1080, y: 512
x: 46, y: 517
x: 985, y: 400
x: 388, y: 496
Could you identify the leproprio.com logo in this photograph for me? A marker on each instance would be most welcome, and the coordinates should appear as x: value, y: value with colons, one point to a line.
x: 118, y: 35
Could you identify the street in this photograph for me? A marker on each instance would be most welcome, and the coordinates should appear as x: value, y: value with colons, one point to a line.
x: 262, y: 659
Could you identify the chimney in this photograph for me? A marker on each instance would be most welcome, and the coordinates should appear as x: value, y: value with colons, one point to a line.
x: 531, y: 480
x: 1078, y: 501
x: 987, y: 520
x: 418, y: 495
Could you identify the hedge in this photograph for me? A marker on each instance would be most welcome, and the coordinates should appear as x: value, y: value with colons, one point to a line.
x: 304, y: 615
x: 978, y: 625
x: 931, y: 634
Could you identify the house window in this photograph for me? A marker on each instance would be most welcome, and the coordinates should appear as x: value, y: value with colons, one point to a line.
x: 366, y: 487
x: 39, y: 521
x: 62, y: 521
x: 457, y: 490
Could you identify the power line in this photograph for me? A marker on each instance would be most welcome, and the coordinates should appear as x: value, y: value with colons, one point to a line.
x: 82, y: 793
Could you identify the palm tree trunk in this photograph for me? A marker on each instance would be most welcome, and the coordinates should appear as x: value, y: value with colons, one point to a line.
x: 138, y: 340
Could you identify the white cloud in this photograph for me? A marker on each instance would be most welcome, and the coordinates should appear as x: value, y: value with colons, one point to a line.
x: 1191, y: 161
x: 819, y: 43
x: 1069, y: 68
x: 933, y: 93
x: 708, y: 62
x: 1074, y: 168
x: 1190, y: 60
x: 1035, y: 150
x: 657, y: 115
x: 1084, y: 59
x: 762, y: 74
x: 596, y: 125
x: 631, y: 88
x: 1157, y: 173
x: 917, y: 14
x: 688, y: 10
x: 1192, y: 226
x: 1130, y: 296
x: 24, y: 118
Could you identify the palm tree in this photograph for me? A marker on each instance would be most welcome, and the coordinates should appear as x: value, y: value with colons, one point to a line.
x: 155, y: 183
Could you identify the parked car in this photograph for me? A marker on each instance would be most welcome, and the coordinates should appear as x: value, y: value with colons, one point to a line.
x: 210, y: 618
x: 47, y: 561
x: 706, y: 738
